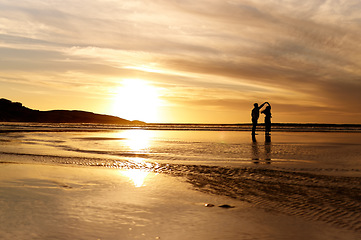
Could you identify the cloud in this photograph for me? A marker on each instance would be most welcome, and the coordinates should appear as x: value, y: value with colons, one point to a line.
x: 220, y: 54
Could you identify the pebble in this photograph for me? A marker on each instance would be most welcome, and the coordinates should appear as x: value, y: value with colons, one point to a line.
x: 221, y: 206
x: 226, y: 206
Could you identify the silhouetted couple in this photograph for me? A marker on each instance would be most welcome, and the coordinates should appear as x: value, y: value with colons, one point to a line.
x: 267, y: 118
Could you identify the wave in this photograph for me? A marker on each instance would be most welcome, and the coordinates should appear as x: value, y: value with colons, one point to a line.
x: 92, y: 127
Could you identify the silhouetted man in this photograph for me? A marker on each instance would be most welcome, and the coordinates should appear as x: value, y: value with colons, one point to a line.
x: 255, y: 116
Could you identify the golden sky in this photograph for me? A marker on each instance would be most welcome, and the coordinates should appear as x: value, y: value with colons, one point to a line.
x: 185, y: 61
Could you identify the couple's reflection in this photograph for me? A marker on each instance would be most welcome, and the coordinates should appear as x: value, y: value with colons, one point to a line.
x: 256, y: 151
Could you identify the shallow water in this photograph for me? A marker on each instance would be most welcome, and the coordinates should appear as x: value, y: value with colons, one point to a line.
x: 330, y: 152
x: 310, y: 175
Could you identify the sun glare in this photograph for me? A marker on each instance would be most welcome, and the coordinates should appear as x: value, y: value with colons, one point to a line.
x: 136, y: 99
x: 136, y: 176
x: 137, y: 140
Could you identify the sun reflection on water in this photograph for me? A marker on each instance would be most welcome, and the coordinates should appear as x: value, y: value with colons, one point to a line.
x: 136, y: 176
x: 137, y: 140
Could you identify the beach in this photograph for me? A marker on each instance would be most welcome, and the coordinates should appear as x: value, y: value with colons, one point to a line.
x: 56, y: 202
x: 153, y: 184
x: 180, y: 120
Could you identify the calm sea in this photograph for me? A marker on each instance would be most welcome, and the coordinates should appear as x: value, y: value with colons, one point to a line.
x: 298, y: 146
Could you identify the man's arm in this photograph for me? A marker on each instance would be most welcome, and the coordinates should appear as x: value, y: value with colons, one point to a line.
x: 263, y: 105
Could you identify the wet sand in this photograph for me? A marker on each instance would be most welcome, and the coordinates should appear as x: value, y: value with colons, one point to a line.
x: 44, y: 201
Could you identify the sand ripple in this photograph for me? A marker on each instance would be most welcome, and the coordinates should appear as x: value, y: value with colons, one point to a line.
x: 332, y: 199
x: 335, y: 200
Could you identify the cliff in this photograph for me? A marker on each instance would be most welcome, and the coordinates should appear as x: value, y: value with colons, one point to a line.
x: 16, y: 112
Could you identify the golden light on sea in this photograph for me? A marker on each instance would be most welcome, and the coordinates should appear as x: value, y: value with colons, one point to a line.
x: 137, y: 140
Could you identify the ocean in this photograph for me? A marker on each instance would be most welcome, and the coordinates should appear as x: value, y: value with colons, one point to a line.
x: 311, y: 171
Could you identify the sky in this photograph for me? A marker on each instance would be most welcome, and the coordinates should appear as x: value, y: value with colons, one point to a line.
x: 182, y: 61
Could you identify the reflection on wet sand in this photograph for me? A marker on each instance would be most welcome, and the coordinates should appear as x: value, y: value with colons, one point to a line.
x: 137, y: 140
x: 256, y: 151
x: 137, y: 176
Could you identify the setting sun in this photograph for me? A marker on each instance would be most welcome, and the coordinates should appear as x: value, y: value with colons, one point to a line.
x: 136, y: 99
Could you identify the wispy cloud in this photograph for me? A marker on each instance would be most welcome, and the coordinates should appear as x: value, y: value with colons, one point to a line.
x: 301, y: 56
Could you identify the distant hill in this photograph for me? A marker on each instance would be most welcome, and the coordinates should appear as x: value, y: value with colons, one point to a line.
x: 16, y: 112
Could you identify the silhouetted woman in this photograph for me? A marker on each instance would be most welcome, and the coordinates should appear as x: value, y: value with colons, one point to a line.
x: 267, y: 119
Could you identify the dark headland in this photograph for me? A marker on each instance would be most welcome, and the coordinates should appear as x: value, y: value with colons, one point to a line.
x: 16, y: 112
